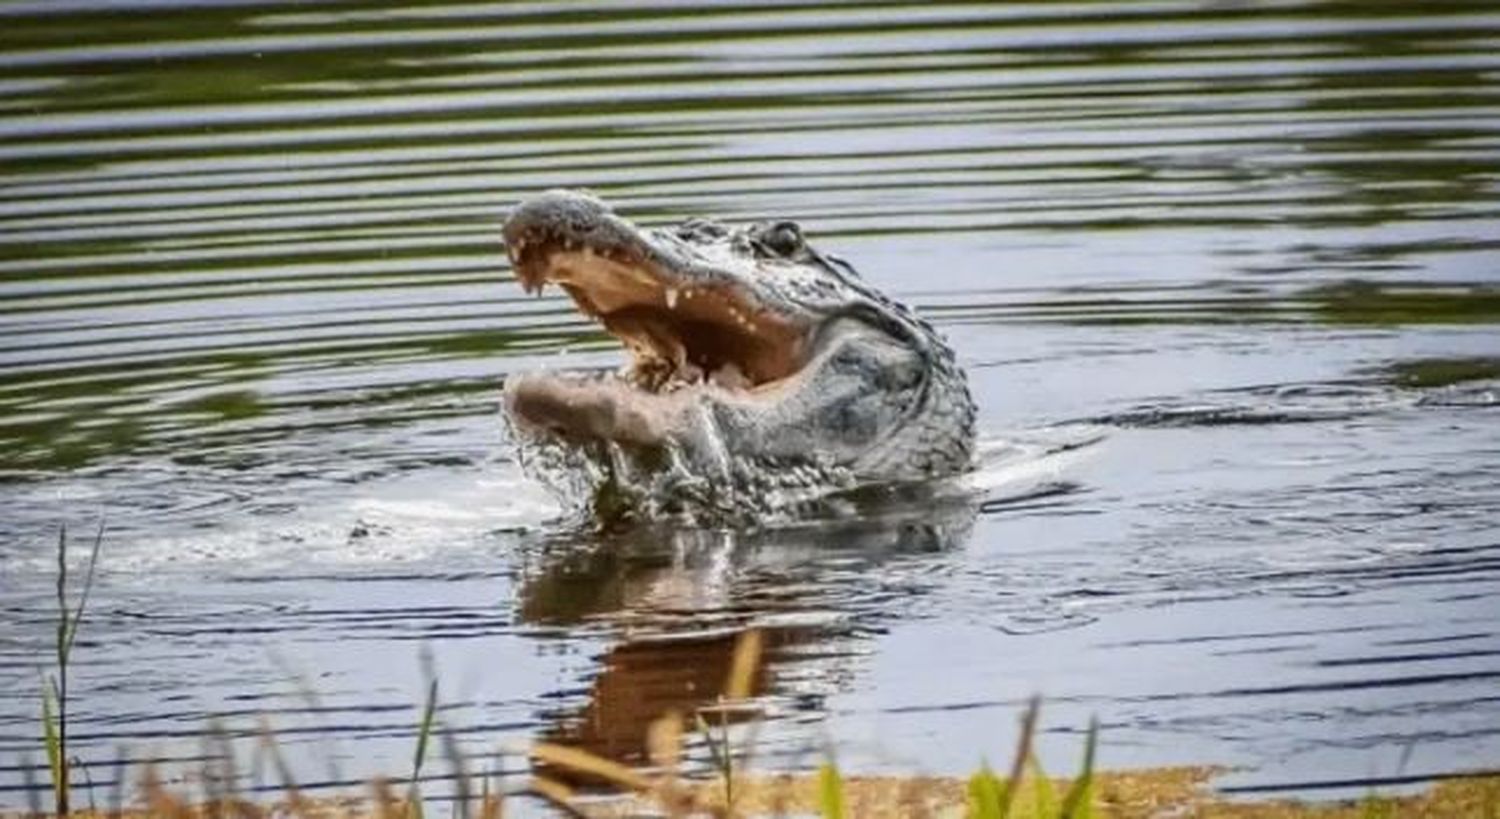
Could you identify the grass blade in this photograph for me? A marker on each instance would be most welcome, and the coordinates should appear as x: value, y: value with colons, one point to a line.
x: 1373, y: 807
x: 56, y: 759
x: 158, y: 801
x: 62, y: 595
x: 741, y: 680
x: 88, y: 781
x: 1023, y: 753
x: 561, y: 756
x: 664, y: 742
x: 1079, y: 803
x: 723, y: 754
x: 424, y: 730
x: 83, y: 598
x: 272, y: 748
x: 461, y: 784
x: 1043, y: 795
x: 664, y: 748
x: 560, y: 796
x: 987, y: 794
x: 830, y: 791
x: 424, y: 734
x: 492, y: 792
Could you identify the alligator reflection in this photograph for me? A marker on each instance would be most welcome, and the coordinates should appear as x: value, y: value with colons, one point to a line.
x: 679, y: 599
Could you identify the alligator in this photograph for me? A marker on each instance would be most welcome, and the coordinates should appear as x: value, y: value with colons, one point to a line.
x: 762, y: 373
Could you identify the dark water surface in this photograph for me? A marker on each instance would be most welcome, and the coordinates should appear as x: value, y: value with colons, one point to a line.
x: 254, y: 314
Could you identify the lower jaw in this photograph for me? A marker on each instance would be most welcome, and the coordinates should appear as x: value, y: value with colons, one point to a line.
x: 589, y: 407
x: 688, y: 477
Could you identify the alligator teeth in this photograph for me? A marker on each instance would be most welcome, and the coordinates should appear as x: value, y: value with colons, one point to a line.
x: 671, y: 296
x: 729, y: 376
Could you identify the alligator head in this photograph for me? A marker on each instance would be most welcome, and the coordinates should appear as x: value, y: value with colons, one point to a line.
x: 762, y: 370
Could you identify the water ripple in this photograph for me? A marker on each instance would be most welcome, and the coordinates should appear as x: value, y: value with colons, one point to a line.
x: 254, y: 314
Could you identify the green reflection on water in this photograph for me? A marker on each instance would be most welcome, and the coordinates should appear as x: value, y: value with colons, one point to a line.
x: 1365, y: 302
x: 230, y: 405
x: 73, y: 417
x: 1442, y: 372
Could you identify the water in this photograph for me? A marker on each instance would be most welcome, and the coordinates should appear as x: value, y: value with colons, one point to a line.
x: 254, y: 315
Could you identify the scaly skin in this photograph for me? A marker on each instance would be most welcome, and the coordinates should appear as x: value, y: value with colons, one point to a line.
x: 828, y: 384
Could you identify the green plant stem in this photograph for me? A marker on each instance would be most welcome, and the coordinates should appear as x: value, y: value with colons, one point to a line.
x: 56, y: 734
x: 831, y: 791
x: 61, y: 777
x: 424, y: 732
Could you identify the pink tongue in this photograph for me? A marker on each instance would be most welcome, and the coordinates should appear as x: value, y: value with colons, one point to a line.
x: 590, y: 408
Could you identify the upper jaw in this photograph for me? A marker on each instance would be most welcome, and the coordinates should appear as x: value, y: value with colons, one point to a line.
x: 683, y: 320
x: 567, y: 222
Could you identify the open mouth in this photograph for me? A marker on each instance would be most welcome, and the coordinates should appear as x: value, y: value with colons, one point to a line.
x: 681, y: 329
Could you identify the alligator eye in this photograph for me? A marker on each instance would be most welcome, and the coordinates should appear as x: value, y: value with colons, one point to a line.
x: 783, y: 238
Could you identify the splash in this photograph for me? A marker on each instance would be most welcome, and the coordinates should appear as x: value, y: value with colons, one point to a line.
x: 609, y: 484
x: 605, y: 484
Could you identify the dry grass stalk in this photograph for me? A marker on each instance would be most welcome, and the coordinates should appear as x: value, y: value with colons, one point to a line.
x: 664, y: 747
x: 584, y: 762
x: 744, y: 666
x: 559, y: 795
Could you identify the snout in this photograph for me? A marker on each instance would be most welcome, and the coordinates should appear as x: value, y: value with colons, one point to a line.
x: 556, y: 213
